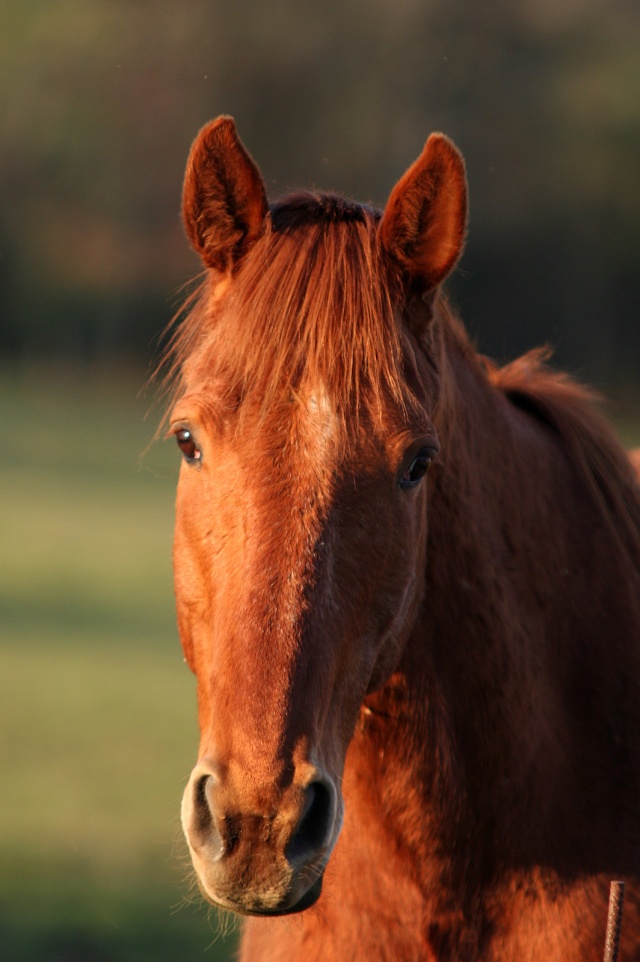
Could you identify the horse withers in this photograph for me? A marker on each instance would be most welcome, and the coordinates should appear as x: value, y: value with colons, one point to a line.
x: 408, y: 585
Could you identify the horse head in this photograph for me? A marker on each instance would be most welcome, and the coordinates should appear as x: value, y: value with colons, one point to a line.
x: 309, y: 378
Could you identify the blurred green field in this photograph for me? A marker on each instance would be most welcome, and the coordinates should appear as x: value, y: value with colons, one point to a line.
x: 97, y: 713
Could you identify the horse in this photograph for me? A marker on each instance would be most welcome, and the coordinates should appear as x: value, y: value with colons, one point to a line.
x: 408, y: 585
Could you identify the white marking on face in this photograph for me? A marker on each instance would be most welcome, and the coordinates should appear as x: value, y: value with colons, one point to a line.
x: 321, y: 413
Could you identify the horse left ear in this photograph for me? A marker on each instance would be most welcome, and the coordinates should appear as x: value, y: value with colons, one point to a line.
x: 424, y: 223
x: 224, y: 201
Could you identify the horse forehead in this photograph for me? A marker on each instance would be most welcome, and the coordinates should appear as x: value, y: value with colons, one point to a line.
x: 297, y: 438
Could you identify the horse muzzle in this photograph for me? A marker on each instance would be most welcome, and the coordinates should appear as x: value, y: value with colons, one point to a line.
x: 265, y: 854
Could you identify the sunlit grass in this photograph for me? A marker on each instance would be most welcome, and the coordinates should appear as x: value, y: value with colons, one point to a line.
x: 97, y: 714
x: 99, y: 739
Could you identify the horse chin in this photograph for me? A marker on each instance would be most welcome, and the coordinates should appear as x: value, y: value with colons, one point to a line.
x: 309, y: 898
x: 250, y: 905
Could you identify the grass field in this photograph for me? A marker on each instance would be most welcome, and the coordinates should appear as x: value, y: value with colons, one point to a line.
x: 97, y: 713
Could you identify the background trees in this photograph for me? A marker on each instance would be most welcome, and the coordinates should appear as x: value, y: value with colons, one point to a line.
x: 102, y: 101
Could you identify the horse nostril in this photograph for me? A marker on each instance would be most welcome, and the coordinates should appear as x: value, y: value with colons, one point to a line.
x: 313, y: 830
x: 200, y: 825
x: 201, y: 809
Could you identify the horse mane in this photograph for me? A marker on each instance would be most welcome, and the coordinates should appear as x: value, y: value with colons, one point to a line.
x: 312, y: 309
x: 315, y: 308
x: 570, y: 410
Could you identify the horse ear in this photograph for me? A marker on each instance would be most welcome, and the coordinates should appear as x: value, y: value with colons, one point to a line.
x: 424, y: 223
x: 224, y: 201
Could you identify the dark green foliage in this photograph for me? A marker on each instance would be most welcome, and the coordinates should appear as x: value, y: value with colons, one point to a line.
x: 103, y: 101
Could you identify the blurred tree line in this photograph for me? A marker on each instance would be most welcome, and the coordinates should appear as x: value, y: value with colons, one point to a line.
x: 103, y: 97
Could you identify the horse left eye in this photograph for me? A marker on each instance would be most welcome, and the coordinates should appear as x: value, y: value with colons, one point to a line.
x: 187, y: 445
x: 416, y: 470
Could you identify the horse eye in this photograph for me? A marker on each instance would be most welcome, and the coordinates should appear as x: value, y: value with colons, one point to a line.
x: 187, y: 445
x: 417, y: 469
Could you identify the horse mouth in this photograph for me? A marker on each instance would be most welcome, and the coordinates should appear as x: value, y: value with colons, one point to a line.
x: 246, y: 905
x: 310, y: 897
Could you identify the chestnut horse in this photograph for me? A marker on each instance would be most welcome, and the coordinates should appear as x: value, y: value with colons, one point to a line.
x: 408, y: 585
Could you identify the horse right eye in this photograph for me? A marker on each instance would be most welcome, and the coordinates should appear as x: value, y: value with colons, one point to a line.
x: 417, y: 469
x: 190, y: 451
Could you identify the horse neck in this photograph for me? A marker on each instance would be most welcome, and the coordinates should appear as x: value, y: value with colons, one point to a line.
x: 488, y: 717
x: 477, y: 663
x: 486, y: 766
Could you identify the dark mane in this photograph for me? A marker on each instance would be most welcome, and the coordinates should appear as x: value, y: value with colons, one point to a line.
x: 312, y: 307
x: 569, y: 409
x: 311, y: 207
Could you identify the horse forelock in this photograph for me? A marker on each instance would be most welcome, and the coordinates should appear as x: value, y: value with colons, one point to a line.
x: 312, y: 311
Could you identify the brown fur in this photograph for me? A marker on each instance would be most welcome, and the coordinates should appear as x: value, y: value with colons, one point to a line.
x: 425, y: 219
x: 453, y: 668
x: 231, y: 197
x: 324, y: 318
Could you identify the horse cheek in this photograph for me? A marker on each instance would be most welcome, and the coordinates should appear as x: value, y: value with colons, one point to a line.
x: 186, y: 579
x: 403, y: 594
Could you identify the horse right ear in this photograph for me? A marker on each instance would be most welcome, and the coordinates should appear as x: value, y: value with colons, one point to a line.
x: 224, y: 200
x: 424, y: 223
